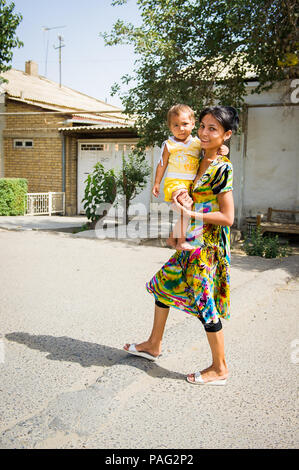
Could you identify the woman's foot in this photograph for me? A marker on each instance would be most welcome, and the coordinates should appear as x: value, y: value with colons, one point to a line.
x: 211, y: 374
x: 146, y: 347
x: 183, y: 245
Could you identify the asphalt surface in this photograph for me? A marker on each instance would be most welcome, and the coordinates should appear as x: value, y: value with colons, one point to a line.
x: 69, y: 304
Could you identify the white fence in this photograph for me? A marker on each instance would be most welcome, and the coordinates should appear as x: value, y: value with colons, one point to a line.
x: 45, y: 203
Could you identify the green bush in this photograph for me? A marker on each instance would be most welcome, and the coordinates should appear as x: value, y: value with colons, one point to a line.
x: 100, y: 189
x: 266, y: 247
x: 13, y: 193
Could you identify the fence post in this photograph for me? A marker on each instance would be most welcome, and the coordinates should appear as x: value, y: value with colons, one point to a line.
x: 29, y: 205
x: 50, y: 203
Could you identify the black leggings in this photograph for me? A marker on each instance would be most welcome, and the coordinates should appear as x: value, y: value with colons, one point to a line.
x: 209, y: 327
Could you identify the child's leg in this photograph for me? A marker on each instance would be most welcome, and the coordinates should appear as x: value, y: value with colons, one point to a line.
x: 181, y: 227
x: 177, y: 238
x: 172, y: 239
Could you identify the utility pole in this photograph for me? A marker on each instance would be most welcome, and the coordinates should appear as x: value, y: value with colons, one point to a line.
x: 61, y: 45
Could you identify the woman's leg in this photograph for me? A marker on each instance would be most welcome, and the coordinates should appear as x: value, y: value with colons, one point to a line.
x: 218, y: 369
x: 154, y: 343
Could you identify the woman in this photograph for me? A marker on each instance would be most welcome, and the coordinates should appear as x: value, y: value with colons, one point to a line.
x: 197, y: 281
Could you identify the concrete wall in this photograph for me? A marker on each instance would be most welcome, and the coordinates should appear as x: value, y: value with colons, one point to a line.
x: 265, y: 157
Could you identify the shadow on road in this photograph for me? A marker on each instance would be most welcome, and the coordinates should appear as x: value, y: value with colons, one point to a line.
x: 88, y: 354
x: 249, y: 263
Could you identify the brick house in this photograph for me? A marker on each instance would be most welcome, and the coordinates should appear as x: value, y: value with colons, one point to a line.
x: 52, y: 135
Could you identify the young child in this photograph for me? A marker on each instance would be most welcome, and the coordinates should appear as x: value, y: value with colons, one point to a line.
x: 180, y: 154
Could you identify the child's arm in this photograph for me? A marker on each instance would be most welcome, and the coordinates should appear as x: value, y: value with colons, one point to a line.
x: 160, y: 172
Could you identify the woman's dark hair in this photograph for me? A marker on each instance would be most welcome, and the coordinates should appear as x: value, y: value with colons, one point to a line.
x: 227, y: 116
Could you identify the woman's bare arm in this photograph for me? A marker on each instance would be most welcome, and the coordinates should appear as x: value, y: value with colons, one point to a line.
x: 225, y: 215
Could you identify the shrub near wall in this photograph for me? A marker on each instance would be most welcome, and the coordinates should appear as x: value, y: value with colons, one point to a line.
x: 13, y: 196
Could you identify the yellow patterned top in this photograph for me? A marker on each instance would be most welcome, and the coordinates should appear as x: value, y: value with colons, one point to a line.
x: 183, y: 159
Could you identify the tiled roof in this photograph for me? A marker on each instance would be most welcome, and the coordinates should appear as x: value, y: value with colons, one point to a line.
x: 102, y: 127
x: 42, y: 92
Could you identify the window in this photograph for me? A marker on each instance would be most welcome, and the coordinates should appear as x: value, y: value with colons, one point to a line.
x: 22, y: 143
x: 92, y: 147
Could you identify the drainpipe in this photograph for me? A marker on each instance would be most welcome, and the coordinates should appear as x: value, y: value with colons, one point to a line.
x: 243, y: 161
x: 2, y: 127
x: 63, y: 162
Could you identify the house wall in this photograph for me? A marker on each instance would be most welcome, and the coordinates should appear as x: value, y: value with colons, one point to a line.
x: 2, y: 126
x: 71, y: 175
x: 42, y: 164
x: 265, y: 156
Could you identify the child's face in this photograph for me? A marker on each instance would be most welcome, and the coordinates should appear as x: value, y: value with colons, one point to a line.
x: 211, y: 133
x: 181, y: 125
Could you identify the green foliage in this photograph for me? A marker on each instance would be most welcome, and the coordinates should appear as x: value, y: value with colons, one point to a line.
x: 13, y: 196
x: 9, y: 22
x: 100, y: 189
x: 265, y: 246
x: 132, y: 178
x: 200, y: 52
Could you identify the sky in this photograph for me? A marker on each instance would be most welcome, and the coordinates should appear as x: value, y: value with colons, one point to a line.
x: 88, y: 65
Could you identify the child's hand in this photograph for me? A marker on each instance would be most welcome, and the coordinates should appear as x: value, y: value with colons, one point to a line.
x: 180, y: 207
x: 156, y: 190
x: 223, y: 150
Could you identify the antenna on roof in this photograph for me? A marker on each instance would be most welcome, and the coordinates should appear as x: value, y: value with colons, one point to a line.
x: 60, y: 39
x: 46, y: 29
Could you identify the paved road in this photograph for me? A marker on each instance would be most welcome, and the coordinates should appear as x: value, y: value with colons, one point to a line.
x: 69, y: 304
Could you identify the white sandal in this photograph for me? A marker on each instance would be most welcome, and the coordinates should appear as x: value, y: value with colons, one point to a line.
x: 198, y: 380
x: 132, y: 350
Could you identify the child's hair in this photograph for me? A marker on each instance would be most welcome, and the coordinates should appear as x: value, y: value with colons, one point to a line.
x: 177, y: 109
x: 227, y: 116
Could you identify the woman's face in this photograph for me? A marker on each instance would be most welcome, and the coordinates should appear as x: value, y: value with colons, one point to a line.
x: 211, y: 133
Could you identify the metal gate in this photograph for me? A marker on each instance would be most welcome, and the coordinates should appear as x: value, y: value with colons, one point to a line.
x: 45, y: 203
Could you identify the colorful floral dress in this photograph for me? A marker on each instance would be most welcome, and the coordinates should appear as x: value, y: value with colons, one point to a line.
x: 198, y: 281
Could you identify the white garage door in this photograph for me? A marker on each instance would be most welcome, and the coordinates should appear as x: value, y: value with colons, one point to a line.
x: 108, y: 153
x: 88, y: 155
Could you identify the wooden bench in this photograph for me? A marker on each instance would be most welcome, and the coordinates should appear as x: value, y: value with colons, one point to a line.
x: 280, y: 227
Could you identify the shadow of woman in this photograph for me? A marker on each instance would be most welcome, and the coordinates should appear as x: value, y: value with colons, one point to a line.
x: 63, y: 348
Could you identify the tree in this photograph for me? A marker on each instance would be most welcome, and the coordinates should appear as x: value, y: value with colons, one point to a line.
x: 9, y: 22
x: 132, y: 178
x: 201, y: 52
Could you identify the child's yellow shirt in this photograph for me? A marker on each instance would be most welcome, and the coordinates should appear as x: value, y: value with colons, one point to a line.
x: 183, y: 158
